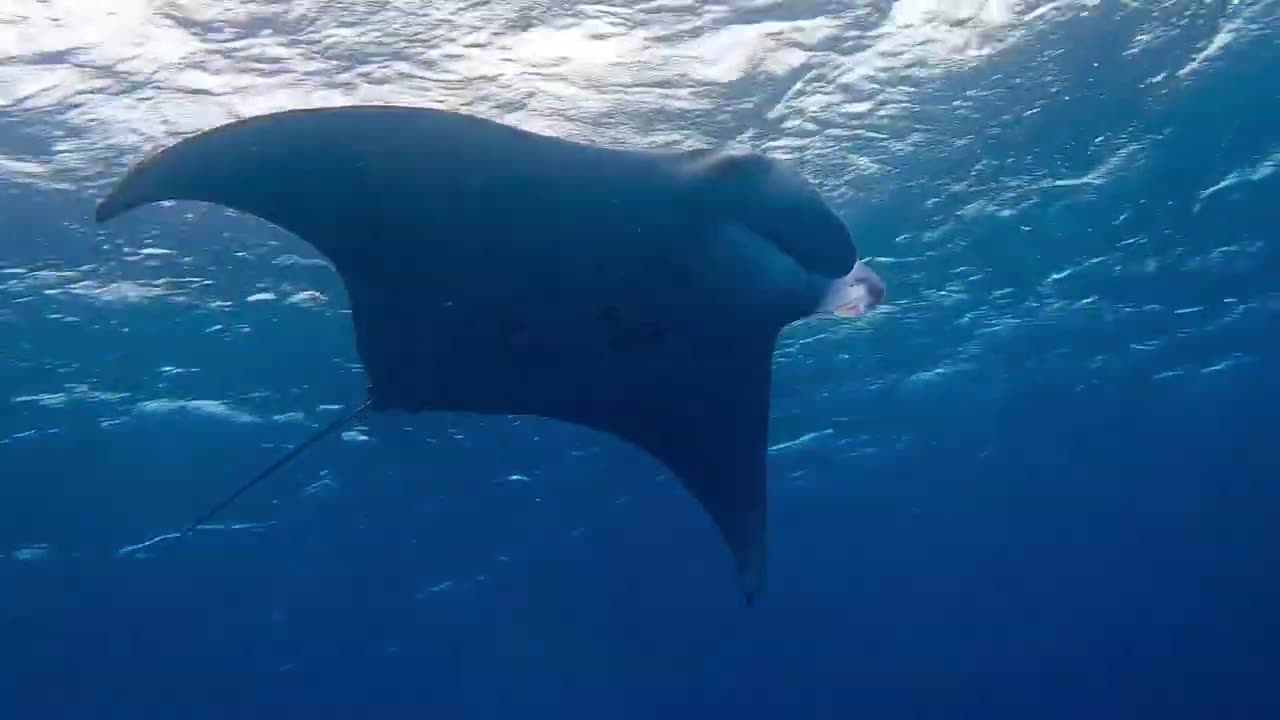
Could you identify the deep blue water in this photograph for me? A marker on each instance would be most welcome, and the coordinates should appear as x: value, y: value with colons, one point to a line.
x: 1041, y: 482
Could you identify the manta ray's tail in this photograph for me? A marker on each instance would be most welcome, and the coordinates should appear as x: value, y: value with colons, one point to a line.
x: 280, y: 462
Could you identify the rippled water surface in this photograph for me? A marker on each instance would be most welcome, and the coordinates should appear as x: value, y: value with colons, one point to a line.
x: 1039, y: 482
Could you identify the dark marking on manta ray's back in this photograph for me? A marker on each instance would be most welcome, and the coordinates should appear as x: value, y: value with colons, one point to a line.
x: 494, y: 270
x: 624, y: 336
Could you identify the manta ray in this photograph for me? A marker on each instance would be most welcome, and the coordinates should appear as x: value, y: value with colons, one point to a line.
x: 489, y: 269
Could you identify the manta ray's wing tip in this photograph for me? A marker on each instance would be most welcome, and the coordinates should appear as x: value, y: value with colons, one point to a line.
x: 103, y: 211
x: 114, y: 203
x: 751, y: 570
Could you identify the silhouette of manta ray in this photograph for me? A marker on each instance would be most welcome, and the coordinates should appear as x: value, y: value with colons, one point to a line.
x: 494, y: 270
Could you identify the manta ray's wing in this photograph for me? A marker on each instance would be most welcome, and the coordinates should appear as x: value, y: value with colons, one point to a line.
x: 497, y: 271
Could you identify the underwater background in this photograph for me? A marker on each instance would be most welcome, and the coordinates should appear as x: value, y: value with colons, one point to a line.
x: 1040, y: 482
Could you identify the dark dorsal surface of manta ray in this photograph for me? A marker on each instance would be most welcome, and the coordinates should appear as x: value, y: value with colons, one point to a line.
x: 494, y: 270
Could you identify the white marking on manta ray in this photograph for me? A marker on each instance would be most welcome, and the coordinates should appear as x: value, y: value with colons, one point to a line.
x: 497, y: 271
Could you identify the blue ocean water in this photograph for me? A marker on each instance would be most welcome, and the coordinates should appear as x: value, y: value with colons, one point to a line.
x: 1039, y: 482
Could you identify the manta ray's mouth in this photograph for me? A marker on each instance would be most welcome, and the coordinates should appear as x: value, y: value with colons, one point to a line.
x: 854, y: 294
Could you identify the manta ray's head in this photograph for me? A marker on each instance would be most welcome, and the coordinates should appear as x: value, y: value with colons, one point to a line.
x: 776, y: 202
x: 773, y: 200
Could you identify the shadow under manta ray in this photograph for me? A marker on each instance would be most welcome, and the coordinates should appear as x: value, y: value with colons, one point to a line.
x: 494, y: 270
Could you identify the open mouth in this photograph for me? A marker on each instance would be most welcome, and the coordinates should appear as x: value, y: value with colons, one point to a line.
x: 854, y: 294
